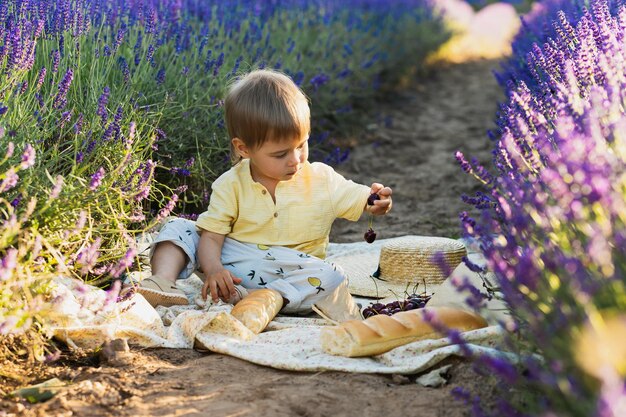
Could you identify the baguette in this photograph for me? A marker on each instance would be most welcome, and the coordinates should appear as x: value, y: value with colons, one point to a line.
x: 381, y: 333
x: 258, y: 308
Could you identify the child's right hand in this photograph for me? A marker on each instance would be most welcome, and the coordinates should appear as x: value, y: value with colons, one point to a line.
x: 221, y: 285
x: 381, y: 206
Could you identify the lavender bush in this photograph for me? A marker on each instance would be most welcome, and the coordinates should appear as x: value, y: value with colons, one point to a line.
x: 553, y: 224
x: 75, y: 170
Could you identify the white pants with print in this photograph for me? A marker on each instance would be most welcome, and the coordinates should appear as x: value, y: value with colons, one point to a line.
x: 302, y: 279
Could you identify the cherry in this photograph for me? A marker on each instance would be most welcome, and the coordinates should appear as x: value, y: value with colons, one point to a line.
x: 378, y: 306
x: 369, y: 313
x: 370, y: 235
x: 372, y: 198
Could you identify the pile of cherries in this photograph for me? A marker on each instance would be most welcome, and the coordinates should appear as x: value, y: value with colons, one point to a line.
x: 412, y: 302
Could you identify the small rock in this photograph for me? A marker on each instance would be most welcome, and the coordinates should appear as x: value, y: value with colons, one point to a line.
x: 115, y: 353
x: 400, y: 379
x: 435, y: 378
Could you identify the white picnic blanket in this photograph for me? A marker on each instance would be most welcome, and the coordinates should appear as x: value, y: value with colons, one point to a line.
x: 83, y: 317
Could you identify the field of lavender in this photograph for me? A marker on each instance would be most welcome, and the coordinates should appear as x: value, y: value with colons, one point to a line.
x: 111, y: 115
x: 553, y: 222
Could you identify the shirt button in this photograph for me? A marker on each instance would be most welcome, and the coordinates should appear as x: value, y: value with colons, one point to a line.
x: 275, y: 214
x: 264, y: 192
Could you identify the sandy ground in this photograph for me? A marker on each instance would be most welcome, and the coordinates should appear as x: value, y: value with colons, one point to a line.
x: 448, y: 111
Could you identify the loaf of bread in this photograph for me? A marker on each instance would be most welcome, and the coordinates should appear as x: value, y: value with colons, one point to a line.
x: 381, y: 333
x: 258, y: 308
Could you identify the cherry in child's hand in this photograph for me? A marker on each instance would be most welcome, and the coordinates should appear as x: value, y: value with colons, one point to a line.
x: 372, y: 198
x: 370, y: 235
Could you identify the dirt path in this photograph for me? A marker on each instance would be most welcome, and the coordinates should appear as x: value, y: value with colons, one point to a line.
x: 448, y: 111
x: 451, y: 110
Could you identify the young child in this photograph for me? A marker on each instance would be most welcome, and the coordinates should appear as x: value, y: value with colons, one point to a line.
x: 269, y: 216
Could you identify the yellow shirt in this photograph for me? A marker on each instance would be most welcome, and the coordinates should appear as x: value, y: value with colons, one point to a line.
x: 302, y: 216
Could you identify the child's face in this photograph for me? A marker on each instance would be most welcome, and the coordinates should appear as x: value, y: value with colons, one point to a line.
x: 278, y: 161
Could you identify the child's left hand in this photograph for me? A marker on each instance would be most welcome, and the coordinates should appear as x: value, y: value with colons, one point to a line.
x: 383, y: 205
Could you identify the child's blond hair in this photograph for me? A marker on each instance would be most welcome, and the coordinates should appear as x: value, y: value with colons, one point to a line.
x: 266, y: 105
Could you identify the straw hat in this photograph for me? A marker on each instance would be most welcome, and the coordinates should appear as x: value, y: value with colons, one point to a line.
x: 400, y: 264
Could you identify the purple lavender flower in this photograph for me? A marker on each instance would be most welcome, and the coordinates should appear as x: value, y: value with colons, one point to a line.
x: 125, y: 69
x: 60, y: 100
x: 10, y: 150
x: 165, y: 211
x: 124, y: 264
x: 218, y: 64
x: 463, y: 162
x: 9, y: 181
x: 114, y: 128
x: 472, y: 266
x: 17, y: 200
x: 61, y: 45
x: 96, y: 179
x: 8, y: 264
x: 319, y: 80
x: 102, y: 103
x: 56, y: 58
x: 160, y: 77
x: 151, y: 21
x: 144, y: 192
x: 78, y: 126
x: 453, y: 335
x: 461, y: 394
x: 28, y: 157
x: 58, y: 185
x: 14, y: 35
x: 183, y: 172
x: 81, y: 221
x: 501, y: 367
x: 88, y: 257
x: 41, y: 77
x: 150, y: 55
x: 475, y: 298
x: 132, y: 128
x: 119, y: 38
x: 439, y: 259
x: 190, y: 216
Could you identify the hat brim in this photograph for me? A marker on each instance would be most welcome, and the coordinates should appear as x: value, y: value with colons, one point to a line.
x: 360, y: 265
